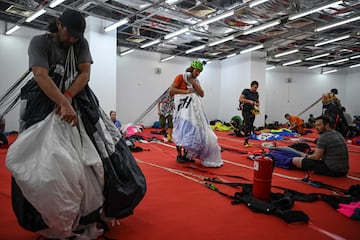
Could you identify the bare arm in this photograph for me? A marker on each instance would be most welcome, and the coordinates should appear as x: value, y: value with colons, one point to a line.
x: 197, y: 87
x: 244, y: 100
x: 317, y: 155
x: 81, y: 80
x: 174, y: 89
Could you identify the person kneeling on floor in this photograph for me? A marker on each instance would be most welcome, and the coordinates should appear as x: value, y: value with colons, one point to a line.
x: 331, y: 157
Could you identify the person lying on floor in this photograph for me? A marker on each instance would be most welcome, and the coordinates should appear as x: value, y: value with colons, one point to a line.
x: 331, y: 157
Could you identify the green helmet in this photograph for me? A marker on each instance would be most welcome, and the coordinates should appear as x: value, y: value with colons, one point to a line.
x: 197, y: 64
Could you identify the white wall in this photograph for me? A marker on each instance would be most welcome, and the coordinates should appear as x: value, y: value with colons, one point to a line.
x: 305, y: 88
x: 352, y: 96
x: 138, y: 86
x: 14, y: 63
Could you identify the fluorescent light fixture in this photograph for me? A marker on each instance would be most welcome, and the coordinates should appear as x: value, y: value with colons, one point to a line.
x: 116, y: 24
x: 317, y: 66
x: 338, y: 61
x: 55, y: 3
x: 354, y: 57
x: 317, y: 9
x: 126, y: 52
x: 337, y: 24
x: 329, y: 71
x: 216, y: 18
x: 208, y: 62
x: 354, y: 66
x: 261, y: 27
x: 176, y: 33
x: 195, y: 49
x: 252, y: 49
x: 332, y: 40
x: 286, y: 53
x: 171, y: 1
x: 167, y: 58
x: 35, y: 15
x: 231, y: 55
x: 229, y: 38
x: 257, y: 2
x: 13, y: 29
x: 292, y: 62
x: 317, y: 56
x: 150, y: 43
x: 269, y: 68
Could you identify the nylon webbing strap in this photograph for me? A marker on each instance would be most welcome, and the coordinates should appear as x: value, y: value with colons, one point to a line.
x: 310, y: 106
x: 142, y: 116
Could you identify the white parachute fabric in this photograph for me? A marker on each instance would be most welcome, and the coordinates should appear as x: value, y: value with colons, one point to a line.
x: 192, y: 130
x: 59, y: 172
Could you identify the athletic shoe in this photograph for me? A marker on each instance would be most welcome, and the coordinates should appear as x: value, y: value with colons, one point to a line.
x: 181, y: 159
x: 247, y: 145
x: 189, y: 160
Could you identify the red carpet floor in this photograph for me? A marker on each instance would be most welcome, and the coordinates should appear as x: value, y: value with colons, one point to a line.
x: 176, y: 207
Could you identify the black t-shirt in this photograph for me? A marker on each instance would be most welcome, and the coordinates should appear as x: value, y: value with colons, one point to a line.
x: 254, y: 96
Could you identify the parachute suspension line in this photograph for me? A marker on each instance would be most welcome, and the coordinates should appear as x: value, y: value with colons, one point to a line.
x: 5, y: 98
x: 310, y: 106
x: 142, y: 116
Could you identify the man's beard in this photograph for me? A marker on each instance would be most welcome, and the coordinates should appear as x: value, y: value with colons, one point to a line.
x: 64, y: 45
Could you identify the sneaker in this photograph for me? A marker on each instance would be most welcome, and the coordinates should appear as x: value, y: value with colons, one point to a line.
x: 189, y: 160
x: 247, y: 145
x: 180, y: 159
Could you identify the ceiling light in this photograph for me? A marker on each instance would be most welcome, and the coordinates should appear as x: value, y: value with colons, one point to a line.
x: 317, y: 9
x: 329, y: 71
x: 35, y: 15
x: 354, y: 66
x: 338, y: 61
x: 252, y: 49
x: 317, y: 66
x: 171, y: 1
x: 116, y: 24
x: 208, y: 62
x: 231, y: 55
x: 13, y: 29
x: 286, y: 53
x: 354, y: 57
x: 195, y: 49
x: 55, y: 3
x: 216, y: 18
x: 292, y: 62
x: 269, y: 68
x: 332, y: 40
x: 167, y: 58
x: 261, y: 27
x: 257, y: 2
x: 126, y: 52
x: 176, y: 33
x: 337, y: 24
x: 317, y: 56
x: 221, y: 41
x: 150, y: 43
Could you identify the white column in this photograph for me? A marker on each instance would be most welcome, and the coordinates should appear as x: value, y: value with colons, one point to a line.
x: 103, y: 47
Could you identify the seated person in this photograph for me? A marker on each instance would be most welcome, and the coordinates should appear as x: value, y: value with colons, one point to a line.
x: 331, y: 157
x: 114, y: 120
x: 3, y: 139
x: 311, y: 121
x: 236, y: 122
x: 296, y: 123
x: 347, y: 117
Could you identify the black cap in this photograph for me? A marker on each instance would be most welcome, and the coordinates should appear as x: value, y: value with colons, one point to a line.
x: 74, y: 22
x: 334, y: 91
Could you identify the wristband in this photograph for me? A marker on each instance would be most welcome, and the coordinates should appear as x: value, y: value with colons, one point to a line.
x: 68, y: 93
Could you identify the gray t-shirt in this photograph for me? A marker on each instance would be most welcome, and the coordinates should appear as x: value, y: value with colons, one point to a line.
x: 44, y: 52
x: 336, y: 155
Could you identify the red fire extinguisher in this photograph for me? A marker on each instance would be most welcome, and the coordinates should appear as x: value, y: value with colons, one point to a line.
x: 263, y: 168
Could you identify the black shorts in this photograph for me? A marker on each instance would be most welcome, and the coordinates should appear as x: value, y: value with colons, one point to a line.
x: 319, y: 167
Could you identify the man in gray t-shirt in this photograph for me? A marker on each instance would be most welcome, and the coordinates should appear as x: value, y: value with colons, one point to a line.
x: 47, y: 60
x: 331, y: 157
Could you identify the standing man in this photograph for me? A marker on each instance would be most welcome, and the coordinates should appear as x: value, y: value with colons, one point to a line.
x: 249, y: 102
x: 296, y: 123
x: 331, y: 157
x: 166, y: 110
